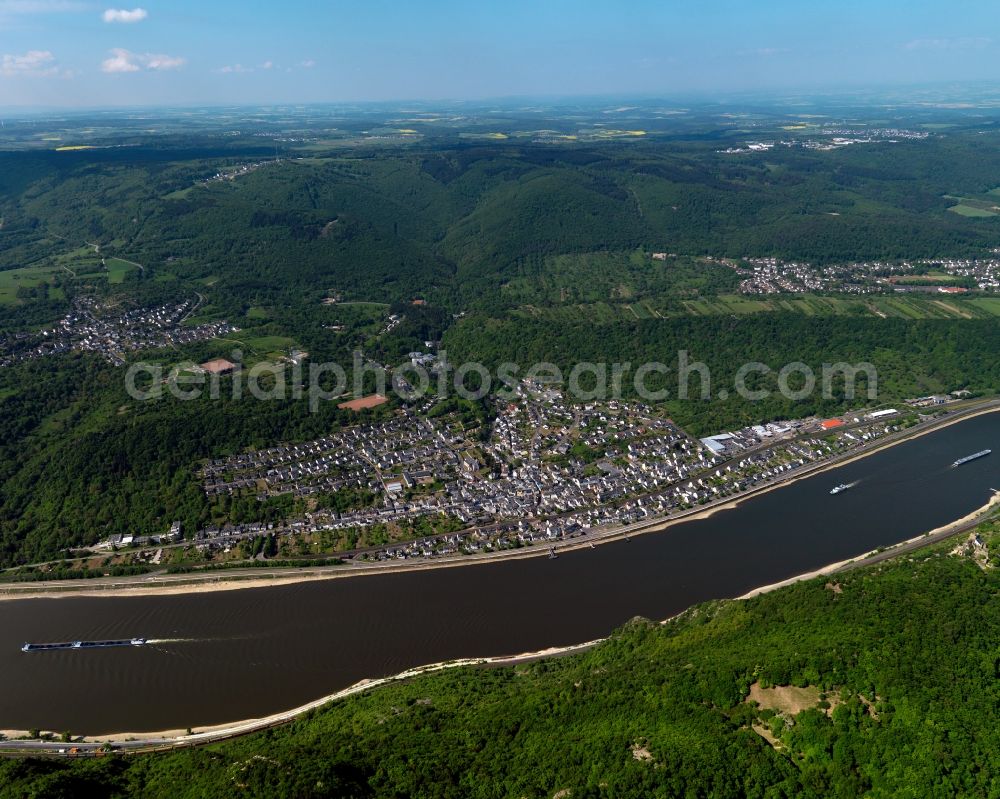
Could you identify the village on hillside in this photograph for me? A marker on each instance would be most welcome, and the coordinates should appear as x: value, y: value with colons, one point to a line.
x: 546, y: 471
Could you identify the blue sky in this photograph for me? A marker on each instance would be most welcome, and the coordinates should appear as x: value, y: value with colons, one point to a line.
x: 78, y: 53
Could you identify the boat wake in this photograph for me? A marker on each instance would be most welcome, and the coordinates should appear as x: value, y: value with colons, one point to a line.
x: 171, y: 640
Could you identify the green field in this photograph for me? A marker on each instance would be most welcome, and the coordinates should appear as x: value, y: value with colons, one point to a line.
x: 118, y: 269
x: 82, y: 259
x: 269, y: 344
x: 989, y: 304
x: 180, y: 194
x: 741, y: 305
x: 964, y: 209
x: 931, y: 277
x: 984, y: 205
x: 201, y: 318
x: 27, y: 277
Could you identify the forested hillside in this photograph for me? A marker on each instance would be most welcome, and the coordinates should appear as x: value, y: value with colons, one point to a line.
x: 516, y: 249
x: 911, y: 358
x: 894, y: 692
x: 453, y: 222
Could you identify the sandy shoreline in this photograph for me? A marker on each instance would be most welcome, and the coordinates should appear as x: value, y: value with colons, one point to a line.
x: 218, y: 732
x: 187, y: 584
x: 54, y: 590
x: 902, y: 545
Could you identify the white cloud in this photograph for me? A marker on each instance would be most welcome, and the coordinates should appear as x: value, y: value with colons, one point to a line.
x: 307, y: 64
x: 161, y: 62
x: 267, y: 65
x: 125, y: 16
x: 120, y: 61
x: 961, y: 43
x: 33, y: 62
x: 126, y: 61
x: 234, y: 69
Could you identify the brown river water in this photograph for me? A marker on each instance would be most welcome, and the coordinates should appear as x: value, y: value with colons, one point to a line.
x: 243, y: 654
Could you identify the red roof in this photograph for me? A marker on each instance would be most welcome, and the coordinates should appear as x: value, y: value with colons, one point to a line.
x: 829, y: 424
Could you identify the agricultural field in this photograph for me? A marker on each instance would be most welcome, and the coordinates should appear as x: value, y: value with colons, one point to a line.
x: 179, y: 194
x: 883, y: 307
x: 269, y: 344
x: 821, y: 306
x: 29, y: 277
x: 75, y: 265
x: 977, y: 211
x: 983, y: 207
x: 990, y: 305
x: 930, y: 277
x: 119, y: 269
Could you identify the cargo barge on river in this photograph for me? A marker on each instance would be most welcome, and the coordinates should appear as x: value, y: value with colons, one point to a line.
x: 83, y: 645
x: 976, y: 456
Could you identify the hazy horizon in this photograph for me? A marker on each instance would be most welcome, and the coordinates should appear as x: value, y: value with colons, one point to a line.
x: 976, y: 95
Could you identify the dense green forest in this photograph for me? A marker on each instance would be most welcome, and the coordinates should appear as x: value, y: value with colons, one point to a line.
x: 897, y: 667
x: 522, y: 249
x: 456, y: 222
x: 81, y: 458
x: 911, y: 358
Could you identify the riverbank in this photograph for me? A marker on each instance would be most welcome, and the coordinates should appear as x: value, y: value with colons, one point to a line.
x: 165, y: 585
x: 924, y: 539
x: 169, y: 739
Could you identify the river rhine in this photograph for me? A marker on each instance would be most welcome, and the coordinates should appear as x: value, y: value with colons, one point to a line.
x: 249, y: 653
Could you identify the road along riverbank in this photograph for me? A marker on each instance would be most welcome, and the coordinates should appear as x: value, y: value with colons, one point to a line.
x: 166, y: 585
x: 171, y: 739
x: 218, y: 656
